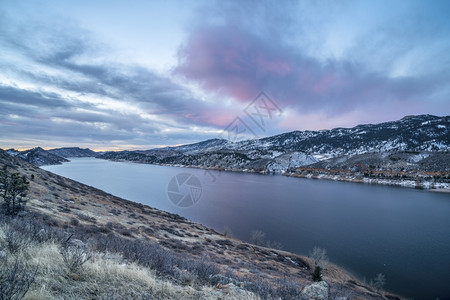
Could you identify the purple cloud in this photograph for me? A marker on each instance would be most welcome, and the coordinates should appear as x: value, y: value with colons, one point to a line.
x: 234, y: 62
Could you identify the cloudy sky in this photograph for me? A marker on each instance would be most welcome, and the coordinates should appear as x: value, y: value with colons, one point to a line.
x: 142, y: 74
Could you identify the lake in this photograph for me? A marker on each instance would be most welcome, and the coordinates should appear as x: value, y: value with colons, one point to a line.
x: 367, y: 229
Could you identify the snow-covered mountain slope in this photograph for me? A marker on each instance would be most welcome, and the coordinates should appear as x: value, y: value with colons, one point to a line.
x: 205, y: 146
x: 404, y: 161
x: 298, y: 148
x: 289, y: 161
x: 413, y: 133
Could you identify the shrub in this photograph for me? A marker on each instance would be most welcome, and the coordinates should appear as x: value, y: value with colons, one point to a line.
x: 319, y: 257
x: 317, y: 274
x: 378, y: 282
x: 74, y: 255
x: 227, y: 231
x: 204, y: 269
x: 15, y: 279
x: 257, y: 237
x: 15, y: 240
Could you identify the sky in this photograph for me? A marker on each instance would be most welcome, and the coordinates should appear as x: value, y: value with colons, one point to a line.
x: 114, y: 75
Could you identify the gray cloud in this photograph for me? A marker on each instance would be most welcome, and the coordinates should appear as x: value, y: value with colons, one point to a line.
x: 26, y: 97
x: 66, y: 90
x: 234, y: 59
x: 60, y: 114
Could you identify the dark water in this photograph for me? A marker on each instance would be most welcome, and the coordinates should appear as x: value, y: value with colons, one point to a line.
x: 367, y: 229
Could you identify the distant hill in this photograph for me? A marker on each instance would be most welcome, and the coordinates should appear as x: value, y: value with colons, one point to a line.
x: 68, y: 152
x: 38, y: 156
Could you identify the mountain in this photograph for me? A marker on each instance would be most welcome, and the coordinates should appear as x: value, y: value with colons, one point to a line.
x: 68, y: 152
x: 38, y: 157
x: 277, y: 154
x: 412, y: 133
x: 205, y: 146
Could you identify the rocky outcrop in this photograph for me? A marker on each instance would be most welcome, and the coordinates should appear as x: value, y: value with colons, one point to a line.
x: 315, y: 291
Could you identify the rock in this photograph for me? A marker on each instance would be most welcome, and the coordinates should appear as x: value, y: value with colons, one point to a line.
x: 316, y: 291
x: 231, y: 291
x: 2, y: 254
x: 77, y: 243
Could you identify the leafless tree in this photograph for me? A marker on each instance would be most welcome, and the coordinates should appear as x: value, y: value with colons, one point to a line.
x: 227, y: 231
x: 379, y: 281
x: 257, y: 237
x: 319, y: 257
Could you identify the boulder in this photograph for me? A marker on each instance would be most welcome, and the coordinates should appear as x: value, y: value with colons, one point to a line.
x: 315, y: 291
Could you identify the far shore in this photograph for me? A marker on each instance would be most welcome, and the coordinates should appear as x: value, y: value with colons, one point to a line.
x: 425, y: 185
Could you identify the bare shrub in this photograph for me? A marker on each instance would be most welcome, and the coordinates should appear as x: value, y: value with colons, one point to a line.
x: 319, y: 257
x: 227, y: 231
x: 204, y: 270
x: 257, y: 237
x: 15, y: 241
x: 15, y: 279
x: 287, y: 289
x: 260, y: 286
x: 74, y: 255
x: 274, y: 245
x: 31, y: 229
x: 378, y: 282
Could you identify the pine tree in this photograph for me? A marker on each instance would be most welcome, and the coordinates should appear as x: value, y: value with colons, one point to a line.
x: 13, y: 188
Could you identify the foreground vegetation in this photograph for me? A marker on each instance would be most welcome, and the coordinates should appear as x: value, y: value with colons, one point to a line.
x: 42, y: 262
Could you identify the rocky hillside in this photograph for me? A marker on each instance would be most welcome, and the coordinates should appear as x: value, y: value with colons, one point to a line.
x: 277, y: 154
x: 183, y: 260
x: 412, y: 133
x: 38, y: 156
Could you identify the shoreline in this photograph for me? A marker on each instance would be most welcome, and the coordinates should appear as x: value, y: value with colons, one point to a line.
x: 411, y: 184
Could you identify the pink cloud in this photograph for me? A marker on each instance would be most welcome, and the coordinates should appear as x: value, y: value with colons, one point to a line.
x: 232, y: 62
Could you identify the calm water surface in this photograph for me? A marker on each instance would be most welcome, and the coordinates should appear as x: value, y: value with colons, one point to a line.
x: 367, y: 229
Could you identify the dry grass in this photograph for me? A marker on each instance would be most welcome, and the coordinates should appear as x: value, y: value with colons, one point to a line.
x: 105, y: 276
